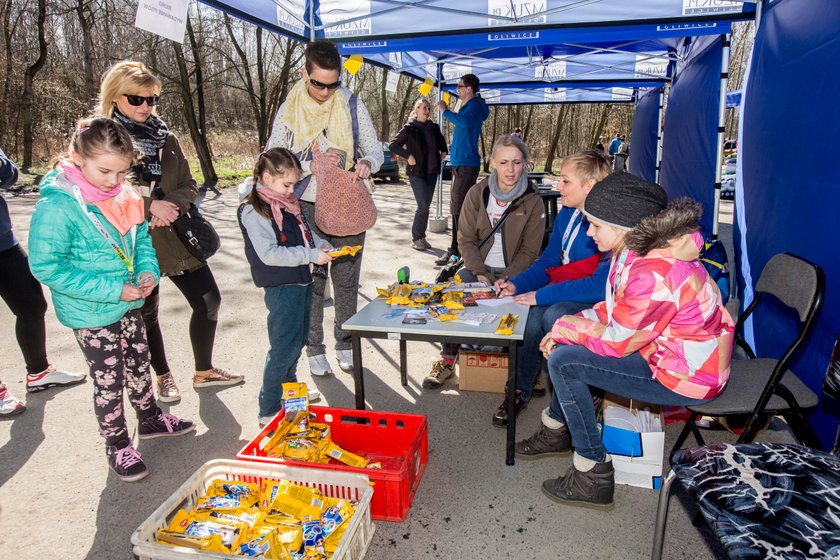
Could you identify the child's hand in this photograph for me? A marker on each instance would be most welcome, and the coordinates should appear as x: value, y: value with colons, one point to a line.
x: 547, y: 345
x: 323, y: 257
x: 146, y: 284
x: 130, y: 292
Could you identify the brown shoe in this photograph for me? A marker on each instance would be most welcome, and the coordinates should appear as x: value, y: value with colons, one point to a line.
x: 441, y: 371
x: 216, y: 377
x: 545, y: 443
x: 592, y: 489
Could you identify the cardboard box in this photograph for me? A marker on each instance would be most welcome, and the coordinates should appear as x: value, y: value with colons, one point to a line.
x: 637, y: 457
x: 482, y: 371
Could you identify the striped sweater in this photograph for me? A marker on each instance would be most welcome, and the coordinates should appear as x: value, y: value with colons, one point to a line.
x: 666, y: 308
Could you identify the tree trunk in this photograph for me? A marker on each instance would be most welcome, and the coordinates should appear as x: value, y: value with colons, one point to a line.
x: 28, y: 86
x: 555, y: 138
x: 7, y: 43
x: 404, y: 104
x: 527, y: 128
x: 199, y: 82
x: 598, y: 129
x: 244, y: 71
x: 383, y: 96
x: 202, y: 149
x: 85, y: 15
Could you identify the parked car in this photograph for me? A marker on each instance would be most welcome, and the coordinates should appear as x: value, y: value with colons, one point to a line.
x: 390, y: 170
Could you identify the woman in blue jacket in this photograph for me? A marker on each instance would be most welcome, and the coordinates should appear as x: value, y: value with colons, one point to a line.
x: 584, y: 279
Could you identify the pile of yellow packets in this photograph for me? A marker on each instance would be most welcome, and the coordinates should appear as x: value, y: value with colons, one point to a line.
x: 273, y: 519
x: 298, y: 439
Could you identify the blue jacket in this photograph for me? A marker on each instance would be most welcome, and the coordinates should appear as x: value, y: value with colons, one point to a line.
x: 468, y: 122
x: 8, y: 177
x: 70, y: 256
x: 585, y: 290
x: 614, y: 145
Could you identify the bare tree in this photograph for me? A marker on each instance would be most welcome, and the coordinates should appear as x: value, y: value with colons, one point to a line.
x: 28, y: 81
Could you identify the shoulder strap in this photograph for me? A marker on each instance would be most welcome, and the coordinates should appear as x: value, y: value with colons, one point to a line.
x: 484, y: 241
x: 354, y: 118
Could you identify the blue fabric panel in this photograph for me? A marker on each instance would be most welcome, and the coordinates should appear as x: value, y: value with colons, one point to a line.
x: 643, y: 136
x: 791, y: 188
x: 691, y: 120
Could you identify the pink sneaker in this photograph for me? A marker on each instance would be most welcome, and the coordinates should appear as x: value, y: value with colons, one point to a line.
x: 9, y: 404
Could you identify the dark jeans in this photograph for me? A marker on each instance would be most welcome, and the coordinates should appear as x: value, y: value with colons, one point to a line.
x: 574, y: 368
x: 345, y: 272
x: 118, y: 359
x: 288, y: 328
x: 424, y: 190
x: 528, y: 356
x: 200, y: 289
x: 462, y: 179
x: 24, y: 296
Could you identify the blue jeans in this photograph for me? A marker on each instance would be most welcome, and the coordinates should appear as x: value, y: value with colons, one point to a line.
x: 424, y: 190
x: 288, y: 327
x: 574, y: 368
x: 528, y: 355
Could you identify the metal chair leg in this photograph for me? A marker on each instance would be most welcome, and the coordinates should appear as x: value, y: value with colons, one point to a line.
x: 662, y: 516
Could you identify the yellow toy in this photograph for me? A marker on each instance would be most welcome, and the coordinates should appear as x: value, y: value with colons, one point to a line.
x: 346, y: 250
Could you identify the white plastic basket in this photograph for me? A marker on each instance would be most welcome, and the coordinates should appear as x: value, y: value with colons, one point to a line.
x: 335, y: 484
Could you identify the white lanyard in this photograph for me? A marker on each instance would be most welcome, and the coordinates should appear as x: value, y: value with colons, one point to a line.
x: 610, y: 296
x: 121, y: 252
x: 569, y: 236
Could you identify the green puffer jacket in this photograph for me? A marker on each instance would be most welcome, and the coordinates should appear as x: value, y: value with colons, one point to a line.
x: 71, y: 257
x: 179, y: 188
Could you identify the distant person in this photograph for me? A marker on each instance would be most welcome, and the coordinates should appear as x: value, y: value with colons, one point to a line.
x: 464, y: 157
x: 129, y: 94
x: 662, y: 335
x: 517, y: 132
x: 89, y: 244
x: 423, y: 146
x: 614, y: 145
x: 25, y: 298
x: 514, y: 246
x: 318, y: 110
x: 599, y: 147
x: 730, y: 144
x: 621, y: 155
x: 280, y: 247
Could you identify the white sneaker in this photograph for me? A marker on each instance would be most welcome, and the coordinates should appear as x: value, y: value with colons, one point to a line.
x: 52, y: 377
x: 318, y: 365
x: 345, y: 359
x: 314, y: 396
x: 9, y: 405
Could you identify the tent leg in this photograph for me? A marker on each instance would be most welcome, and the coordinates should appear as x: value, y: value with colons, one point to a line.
x: 438, y: 223
x: 724, y: 81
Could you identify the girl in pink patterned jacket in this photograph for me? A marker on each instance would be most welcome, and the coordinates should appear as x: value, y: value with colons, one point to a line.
x: 661, y: 335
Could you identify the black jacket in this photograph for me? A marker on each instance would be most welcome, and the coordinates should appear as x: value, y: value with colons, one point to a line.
x: 410, y: 141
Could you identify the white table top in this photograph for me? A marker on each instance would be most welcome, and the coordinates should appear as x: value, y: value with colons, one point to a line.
x: 371, y: 318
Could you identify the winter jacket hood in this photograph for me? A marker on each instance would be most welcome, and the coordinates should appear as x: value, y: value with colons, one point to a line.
x: 670, y: 232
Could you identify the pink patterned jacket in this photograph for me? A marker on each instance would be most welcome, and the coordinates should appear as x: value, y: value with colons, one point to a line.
x: 666, y: 308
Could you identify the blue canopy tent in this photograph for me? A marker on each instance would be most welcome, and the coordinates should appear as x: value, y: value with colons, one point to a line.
x: 788, y: 187
x: 647, y: 133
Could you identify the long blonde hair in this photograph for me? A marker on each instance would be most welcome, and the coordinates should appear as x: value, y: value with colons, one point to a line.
x: 420, y: 101
x: 124, y: 77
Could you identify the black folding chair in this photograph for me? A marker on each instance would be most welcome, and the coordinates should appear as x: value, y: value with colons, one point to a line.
x: 761, y: 387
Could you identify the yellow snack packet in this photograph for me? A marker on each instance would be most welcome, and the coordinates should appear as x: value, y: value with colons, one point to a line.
x: 211, y: 543
x: 227, y: 502
x: 345, y: 250
x: 349, y: 459
x: 334, y: 523
x: 283, y: 429
x: 250, y: 516
x: 263, y: 542
x: 223, y: 487
x: 297, y: 501
x: 188, y: 524
x: 270, y: 489
x: 289, y: 530
x: 506, y: 324
x: 301, y: 449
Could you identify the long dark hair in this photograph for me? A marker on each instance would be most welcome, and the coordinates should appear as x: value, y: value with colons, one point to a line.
x: 276, y: 162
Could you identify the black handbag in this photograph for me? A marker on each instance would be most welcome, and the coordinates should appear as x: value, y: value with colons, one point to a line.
x: 449, y: 270
x: 195, y: 232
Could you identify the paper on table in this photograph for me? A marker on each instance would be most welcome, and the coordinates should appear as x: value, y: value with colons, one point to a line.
x: 498, y: 302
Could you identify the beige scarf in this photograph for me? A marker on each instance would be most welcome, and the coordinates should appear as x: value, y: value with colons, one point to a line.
x: 307, y: 119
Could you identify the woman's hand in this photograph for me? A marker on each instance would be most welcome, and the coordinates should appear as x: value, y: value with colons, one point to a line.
x: 362, y: 169
x: 130, y: 292
x: 547, y: 345
x: 528, y: 298
x: 165, y: 212
x: 411, y: 160
x: 504, y: 287
x: 146, y: 284
x: 323, y: 257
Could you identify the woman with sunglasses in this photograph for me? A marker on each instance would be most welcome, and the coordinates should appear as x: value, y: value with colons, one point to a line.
x: 129, y: 94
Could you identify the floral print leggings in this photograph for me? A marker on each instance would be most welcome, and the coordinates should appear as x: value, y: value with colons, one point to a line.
x: 118, y: 357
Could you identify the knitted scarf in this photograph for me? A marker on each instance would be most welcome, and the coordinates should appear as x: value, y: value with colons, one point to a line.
x: 513, y: 194
x: 290, y: 204
x: 121, y: 206
x: 306, y: 120
x: 149, y: 137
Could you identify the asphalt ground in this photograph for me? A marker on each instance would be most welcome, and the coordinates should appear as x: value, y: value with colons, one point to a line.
x: 58, y: 498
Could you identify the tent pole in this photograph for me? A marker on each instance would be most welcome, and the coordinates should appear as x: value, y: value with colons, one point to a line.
x: 439, y: 184
x: 659, y: 132
x: 724, y: 81
x: 311, y: 20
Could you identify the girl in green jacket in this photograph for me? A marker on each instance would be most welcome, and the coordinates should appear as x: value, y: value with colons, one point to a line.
x: 89, y: 243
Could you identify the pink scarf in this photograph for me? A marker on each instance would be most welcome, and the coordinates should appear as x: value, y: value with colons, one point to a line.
x: 280, y: 202
x: 123, y: 214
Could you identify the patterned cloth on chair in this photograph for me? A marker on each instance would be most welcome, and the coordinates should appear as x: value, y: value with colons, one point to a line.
x: 766, y: 500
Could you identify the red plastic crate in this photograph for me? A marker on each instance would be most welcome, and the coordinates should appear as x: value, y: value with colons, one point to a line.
x: 398, y: 441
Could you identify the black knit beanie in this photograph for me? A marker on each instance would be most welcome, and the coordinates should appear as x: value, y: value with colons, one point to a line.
x: 623, y: 200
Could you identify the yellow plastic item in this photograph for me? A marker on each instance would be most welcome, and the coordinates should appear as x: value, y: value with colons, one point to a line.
x: 349, y: 459
x: 297, y: 501
x: 212, y: 543
x: 506, y: 324
x: 345, y: 250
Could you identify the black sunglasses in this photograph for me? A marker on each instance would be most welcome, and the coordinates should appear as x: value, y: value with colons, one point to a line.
x: 137, y: 100
x: 318, y: 85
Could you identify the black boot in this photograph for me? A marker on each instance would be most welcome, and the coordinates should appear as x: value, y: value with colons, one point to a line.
x: 592, y: 489
x: 500, y: 417
x: 545, y: 443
